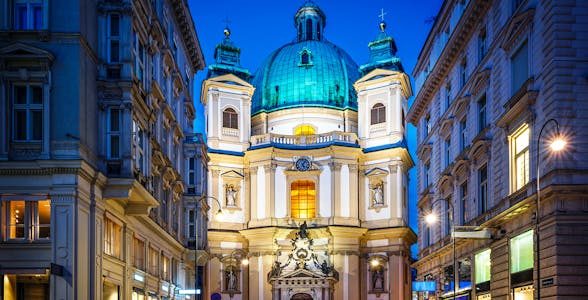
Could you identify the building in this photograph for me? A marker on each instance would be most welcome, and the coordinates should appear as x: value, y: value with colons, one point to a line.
x: 309, y: 161
x: 95, y: 106
x: 490, y: 77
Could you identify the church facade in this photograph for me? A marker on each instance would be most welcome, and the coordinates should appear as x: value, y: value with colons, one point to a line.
x: 309, y: 162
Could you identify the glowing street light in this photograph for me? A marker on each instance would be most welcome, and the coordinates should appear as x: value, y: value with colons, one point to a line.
x: 558, y: 144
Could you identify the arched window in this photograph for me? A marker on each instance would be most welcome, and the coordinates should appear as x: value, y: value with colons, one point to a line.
x: 230, y: 118
x: 378, y: 114
x: 318, y: 31
x: 302, y: 199
x: 308, y: 29
x: 304, y: 130
x: 304, y: 58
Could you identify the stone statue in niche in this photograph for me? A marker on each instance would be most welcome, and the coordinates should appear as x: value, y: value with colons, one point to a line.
x: 377, y: 194
x: 231, y: 279
x: 378, y: 279
x: 231, y: 195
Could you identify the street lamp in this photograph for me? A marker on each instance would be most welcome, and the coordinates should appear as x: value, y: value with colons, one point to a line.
x: 217, y: 216
x: 557, y: 144
x: 463, y: 232
x: 431, y: 219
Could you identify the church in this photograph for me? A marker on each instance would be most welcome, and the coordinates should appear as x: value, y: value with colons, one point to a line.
x: 309, y: 164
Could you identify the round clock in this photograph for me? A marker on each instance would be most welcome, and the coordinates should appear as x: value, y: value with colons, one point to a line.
x: 303, y: 164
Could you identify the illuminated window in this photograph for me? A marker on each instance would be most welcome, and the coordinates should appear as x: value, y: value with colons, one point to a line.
x: 112, y: 238
x: 303, y: 199
x: 378, y: 114
x: 28, y: 220
x: 230, y: 118
x: 482, y: 266
x: 304, y: 130
x: 520, y: 157
x: 521, y: 252
x: 139, y: 253
x: 153, y: 261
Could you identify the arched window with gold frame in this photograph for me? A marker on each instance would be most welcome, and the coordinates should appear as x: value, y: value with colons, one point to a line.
x: 378, y: 114
x: 304, y: 129
x: 303, y: 199
x: 230, y: 118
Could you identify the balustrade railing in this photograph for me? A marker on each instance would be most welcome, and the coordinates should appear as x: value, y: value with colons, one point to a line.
x: 304, y: 140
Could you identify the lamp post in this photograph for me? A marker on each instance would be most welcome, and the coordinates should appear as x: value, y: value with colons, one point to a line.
x: 431, y: 219
x: 557, y: 144
x: 217, y: 216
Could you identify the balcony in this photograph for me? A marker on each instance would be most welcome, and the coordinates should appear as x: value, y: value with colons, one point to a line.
x: 339, y: 138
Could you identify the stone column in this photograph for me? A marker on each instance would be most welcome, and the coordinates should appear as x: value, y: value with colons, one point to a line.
x: 346, y: 246
x: 253, y: 194
x: 270, y: 179
x: 335, y: 188
x: 69, y: 235
x: 353, y: 191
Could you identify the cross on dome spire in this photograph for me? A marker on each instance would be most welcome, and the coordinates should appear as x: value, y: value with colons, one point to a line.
x: 382, y: 14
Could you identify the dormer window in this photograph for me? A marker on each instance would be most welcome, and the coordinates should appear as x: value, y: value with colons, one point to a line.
x: 230, y: 118
x: 305, y: 58
x: 378, y: 114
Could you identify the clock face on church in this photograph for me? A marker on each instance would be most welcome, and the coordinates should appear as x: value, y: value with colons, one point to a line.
x: 303, y: 164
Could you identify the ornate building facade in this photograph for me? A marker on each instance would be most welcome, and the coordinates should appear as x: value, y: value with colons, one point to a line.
x: 309, y: 161
x: 494, y: 80
x: 98, y: 165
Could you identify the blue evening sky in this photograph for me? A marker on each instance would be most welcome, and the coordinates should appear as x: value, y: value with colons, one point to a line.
x: 260, y: 27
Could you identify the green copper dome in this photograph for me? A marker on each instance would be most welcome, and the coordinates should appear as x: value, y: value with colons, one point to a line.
x: 310, y: 72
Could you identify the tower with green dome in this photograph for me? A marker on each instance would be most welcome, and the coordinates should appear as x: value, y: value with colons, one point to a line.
x: 308, y: 160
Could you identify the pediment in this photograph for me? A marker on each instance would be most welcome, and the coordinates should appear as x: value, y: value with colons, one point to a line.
x: 20, y: 50
x: 231, y: 80
x: 232, y: 174
x: 301, y: 273
x: 376, y: 172
x: 518, y: 27
x: 383, y: 75
x: 480, y: 81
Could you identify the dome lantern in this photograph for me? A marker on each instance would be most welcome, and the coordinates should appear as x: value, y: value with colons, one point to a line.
x: 310, y: 22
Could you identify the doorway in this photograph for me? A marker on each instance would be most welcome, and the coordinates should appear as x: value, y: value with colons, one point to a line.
x: 301, y: 296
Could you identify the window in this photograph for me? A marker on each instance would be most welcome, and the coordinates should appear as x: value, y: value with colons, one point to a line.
x: 483, y: 189
x: 308, y: 29
x: 520, y: 158
x: 113, y: 133
x: 28, y: 14
x: 27, y: 220
x: 449, y: 215
x: 27, y: 109
x: 139, y: 148
x: 482, y: 46
x: 112, y: 238
x: 447, y: 96
x: 165, y: 268
x: 447, y: 152
x: 482, y: 113
x: 427, y: 126
x: 230, y: 118
x: 163, y: 208
x: 304, y: 130
x: 303, y: 199
x: 191, y: 224
x: 153, y: 261
x: 520, y: 67
x: 463, y: 73
x: 463, y: 196
x: 113, y: 38
x: 191, y: 171
x: 482, y: 261
x: 426, y: 174
x: 378, y: 114
x: 462, y: 135
x: 304, y: 59
x: 139, y: 58
x: 139, y: 253
x: 521, y: 252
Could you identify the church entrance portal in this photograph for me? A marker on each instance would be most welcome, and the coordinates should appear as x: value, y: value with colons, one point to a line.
x: 301, y: 296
